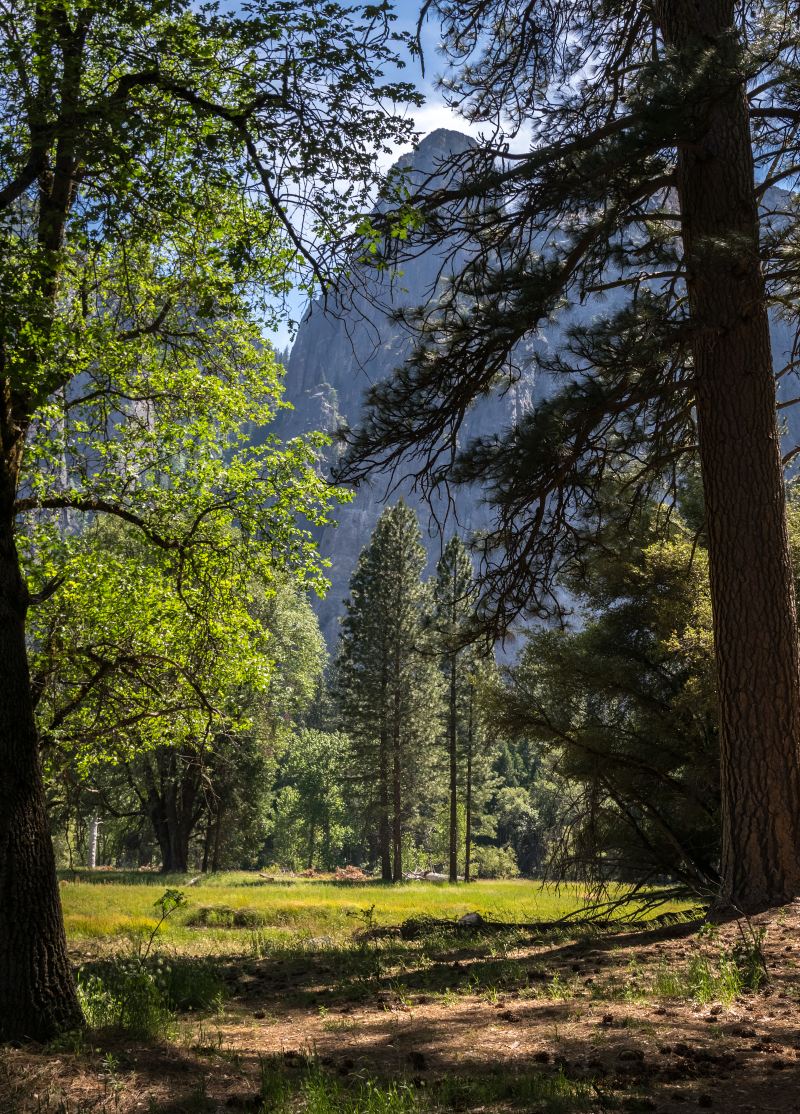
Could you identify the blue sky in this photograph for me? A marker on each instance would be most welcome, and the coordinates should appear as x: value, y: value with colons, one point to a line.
x: 432, y: 115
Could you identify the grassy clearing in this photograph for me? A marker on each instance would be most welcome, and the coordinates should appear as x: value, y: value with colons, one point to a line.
x: 109, y: 905
x: 286, y: 998
x: 314, y: 941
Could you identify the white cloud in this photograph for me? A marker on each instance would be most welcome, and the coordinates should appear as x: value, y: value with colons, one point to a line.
x: 436, y: 114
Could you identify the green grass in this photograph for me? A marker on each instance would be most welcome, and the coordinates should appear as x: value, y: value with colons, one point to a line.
x: 234, y: 947
x: 218, y: 935
x: 314, y: 1092
x: 109, y: 906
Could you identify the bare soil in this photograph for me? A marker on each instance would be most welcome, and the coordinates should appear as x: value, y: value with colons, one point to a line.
x: 581, y: 1008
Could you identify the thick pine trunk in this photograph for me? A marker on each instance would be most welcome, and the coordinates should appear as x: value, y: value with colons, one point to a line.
x: 752, y: 587
x: 37, y: 994
x: 397, y: 772
x: 452, y: 740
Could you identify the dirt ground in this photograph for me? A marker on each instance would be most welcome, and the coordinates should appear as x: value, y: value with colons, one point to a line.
x: 579, y: 1009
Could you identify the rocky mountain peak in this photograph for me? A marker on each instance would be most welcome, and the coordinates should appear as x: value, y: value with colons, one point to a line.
x: 341, y: 350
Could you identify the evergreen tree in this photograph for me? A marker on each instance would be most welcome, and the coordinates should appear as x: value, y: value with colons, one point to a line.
x: 479, y: 754
x: 388, y: 684
x: 649, y: 123
x: 455, y: 599
x: 529, y: 800
x: 620, y: 712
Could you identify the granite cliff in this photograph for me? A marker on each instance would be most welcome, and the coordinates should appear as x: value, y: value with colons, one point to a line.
x: 341, y: 348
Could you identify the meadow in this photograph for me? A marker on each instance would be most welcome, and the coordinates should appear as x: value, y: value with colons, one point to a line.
x: 109, y: 907
x: 312, y: 996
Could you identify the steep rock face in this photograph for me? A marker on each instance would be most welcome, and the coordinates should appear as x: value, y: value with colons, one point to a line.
x: 340, y: 349
x: 344, y: 347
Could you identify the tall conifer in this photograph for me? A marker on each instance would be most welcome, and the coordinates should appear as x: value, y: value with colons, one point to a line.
x: 656, y: 132
x: 388, y: 685
x: 454, y: 605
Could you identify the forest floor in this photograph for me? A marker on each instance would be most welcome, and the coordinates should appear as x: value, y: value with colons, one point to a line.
x: 305, y: 1008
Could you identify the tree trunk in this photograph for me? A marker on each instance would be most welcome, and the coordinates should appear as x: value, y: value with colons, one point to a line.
x: 37, y: 994
x: 397, y: 775
x: 217, y: 840
x: 173, y: 861
x: 383, y: 820
x: 468, y: 794
x: 174, y: 850
x: 326, y: 840
x: 207, y: 842
x: 752, y: 588
x: 91, y: 851
x: 171, y: 801
x: 397, y: 809
x: 452, y: 733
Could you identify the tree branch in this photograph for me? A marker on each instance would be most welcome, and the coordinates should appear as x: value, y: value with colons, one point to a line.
x: 96, y: 506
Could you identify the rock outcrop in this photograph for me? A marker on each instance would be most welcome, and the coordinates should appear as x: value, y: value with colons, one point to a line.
x: 342, y: 348
x: 339, y: 351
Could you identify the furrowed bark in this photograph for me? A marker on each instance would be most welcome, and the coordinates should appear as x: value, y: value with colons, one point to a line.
x: 752, y: 587
x: 383, y: 819
x: 468, y: 793
x: 37, y: 993
x: 397, y: 807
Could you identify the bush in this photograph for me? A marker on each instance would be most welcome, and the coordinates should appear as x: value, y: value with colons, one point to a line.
x: 126, y: 996
x: 496, y: 862
x: 189, y: 983
x: 223, y: 916
x: 140, y: 997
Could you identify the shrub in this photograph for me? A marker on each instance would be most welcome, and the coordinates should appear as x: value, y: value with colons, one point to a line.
x: 189, y: 983
x: 140, y: 997
x: 496, y: 862
x: 126, y: 996
x: 224, y: 916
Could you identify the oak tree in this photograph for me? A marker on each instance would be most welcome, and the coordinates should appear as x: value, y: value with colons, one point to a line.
x: 166, y: 170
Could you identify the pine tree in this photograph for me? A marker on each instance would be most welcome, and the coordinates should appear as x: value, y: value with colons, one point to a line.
x: 620, y: 708
x: 479, y: 752
x: 387, y: 684
x: 651, y: 127
x: 454, y: 605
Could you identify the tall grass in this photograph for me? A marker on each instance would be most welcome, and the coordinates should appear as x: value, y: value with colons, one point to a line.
x: 118, y: 905
x: 313, y: 1092
x: 721, y: 976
